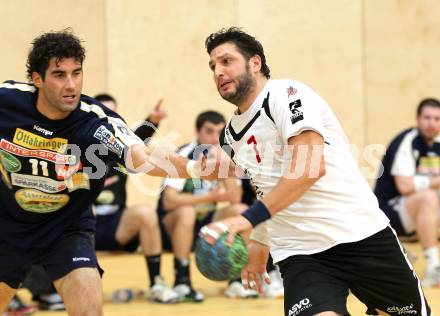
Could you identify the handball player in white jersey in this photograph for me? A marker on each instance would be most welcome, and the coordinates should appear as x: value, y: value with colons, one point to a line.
x: 316, y: 213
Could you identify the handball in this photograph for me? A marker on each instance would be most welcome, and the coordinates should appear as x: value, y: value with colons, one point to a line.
x: 221, y: 262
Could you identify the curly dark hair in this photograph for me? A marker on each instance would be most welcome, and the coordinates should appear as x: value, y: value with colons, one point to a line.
x: 61, y: 44
x: 246, y: 44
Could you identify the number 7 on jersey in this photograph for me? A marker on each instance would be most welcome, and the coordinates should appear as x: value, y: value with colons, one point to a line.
x: 253, y: 141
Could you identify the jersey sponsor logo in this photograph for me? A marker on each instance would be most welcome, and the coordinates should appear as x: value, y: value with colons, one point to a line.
x: 43, y: 131
x: 42, y: 154
x: 106, y: 197
x: 78, y: 181
x: 299, y: 307
x: 35, y: 182
x: 111, y: 180
x: 35, y: 201
x: 404, y: 310
x: 429, y: 165
x: 5, y: 177
x: 76, y: 259
x: 297, y: 114
x: 123, y: 133
x: 291, y: 91
x: 109, y: 140
x: 65, y: 172
x: 9, y: 162
x: 33, y: 141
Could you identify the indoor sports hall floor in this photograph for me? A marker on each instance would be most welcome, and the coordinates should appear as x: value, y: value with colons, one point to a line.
x: 122, y: 271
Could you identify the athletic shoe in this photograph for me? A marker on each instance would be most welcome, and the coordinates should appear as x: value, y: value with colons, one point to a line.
x: 17, y: 308
x: 432, y: 278
x: 188, y: 294
x: 161, y: 293
x: 49, y: 302
x: 275, y: 289
x: 236, y: 290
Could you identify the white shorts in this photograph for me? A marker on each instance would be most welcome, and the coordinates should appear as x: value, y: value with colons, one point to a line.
x: 398, y: 204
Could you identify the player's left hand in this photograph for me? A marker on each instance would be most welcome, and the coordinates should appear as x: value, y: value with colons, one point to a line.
x: 231, y: 225
x: 254, y: 273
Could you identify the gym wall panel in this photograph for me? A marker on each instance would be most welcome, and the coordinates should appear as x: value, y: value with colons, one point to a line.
x: 22, y: 21
x: 156, y: 49
x: 316, y: 42
x: 402, y: 46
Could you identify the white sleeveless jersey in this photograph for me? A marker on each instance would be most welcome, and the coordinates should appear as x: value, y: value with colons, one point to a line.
x: 339, y: 208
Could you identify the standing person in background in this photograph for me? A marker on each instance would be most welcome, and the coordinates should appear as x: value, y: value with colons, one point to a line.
x: 408, y: 190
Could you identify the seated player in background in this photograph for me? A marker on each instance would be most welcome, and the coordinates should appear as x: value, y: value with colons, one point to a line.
x: 275, y: 289
x: 121, y: 227
x: 187, y: 205
x: 408, y: 189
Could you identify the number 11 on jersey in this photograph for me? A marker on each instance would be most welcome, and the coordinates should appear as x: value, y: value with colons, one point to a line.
x: 253, y: 141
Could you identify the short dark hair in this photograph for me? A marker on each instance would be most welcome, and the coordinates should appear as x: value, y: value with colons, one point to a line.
x: 61, y: 44
x: 246, y: 44
x: 209, y: 116
x: 104, y: 97
x: 427, y: 102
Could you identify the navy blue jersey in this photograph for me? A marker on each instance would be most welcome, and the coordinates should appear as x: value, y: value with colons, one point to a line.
x: 52, y: 170
x: 407, y: 155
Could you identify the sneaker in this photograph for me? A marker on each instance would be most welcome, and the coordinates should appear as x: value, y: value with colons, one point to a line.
x: 432, y: 278
x: 275, y: 289
x: 49, y: 302
x: 236, y: 290
x: 188, y: 294
x: 17, y: 308
x: 161, y: 293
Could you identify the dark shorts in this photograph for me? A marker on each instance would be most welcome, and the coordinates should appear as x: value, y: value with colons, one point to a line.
x: 72, y: 250
x: 105, y: 237
x: 374, y: 270
x: 166, y: 239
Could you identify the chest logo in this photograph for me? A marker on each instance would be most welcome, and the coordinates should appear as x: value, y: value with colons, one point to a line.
x: 33, y: 141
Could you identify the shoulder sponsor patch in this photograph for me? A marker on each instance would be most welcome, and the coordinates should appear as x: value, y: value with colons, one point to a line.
x: 35, y: 201
x: 297, y: 114
x: 123, y: 132
x: 34, y: 141
x: 109, y: 140
x: 35, y: 182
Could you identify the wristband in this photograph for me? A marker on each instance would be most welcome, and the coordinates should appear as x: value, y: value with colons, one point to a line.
x: 257, y: 213
x: 421, y: 182
x: 191, y: 169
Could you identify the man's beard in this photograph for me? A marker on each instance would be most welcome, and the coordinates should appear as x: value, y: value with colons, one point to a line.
x: 245, y: 84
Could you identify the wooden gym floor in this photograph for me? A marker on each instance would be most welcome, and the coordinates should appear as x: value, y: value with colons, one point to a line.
x: 128, y: 271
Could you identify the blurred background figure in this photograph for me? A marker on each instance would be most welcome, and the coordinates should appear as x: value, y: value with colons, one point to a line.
x: 408, y: 190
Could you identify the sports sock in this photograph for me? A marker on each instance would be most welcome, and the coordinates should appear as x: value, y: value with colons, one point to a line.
x: 181, y: 271
x: 431, y: 258
x: 153, y: 266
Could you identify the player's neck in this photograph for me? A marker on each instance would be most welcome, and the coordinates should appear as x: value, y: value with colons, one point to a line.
x: 253, y: 94
x: 46, y: 109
